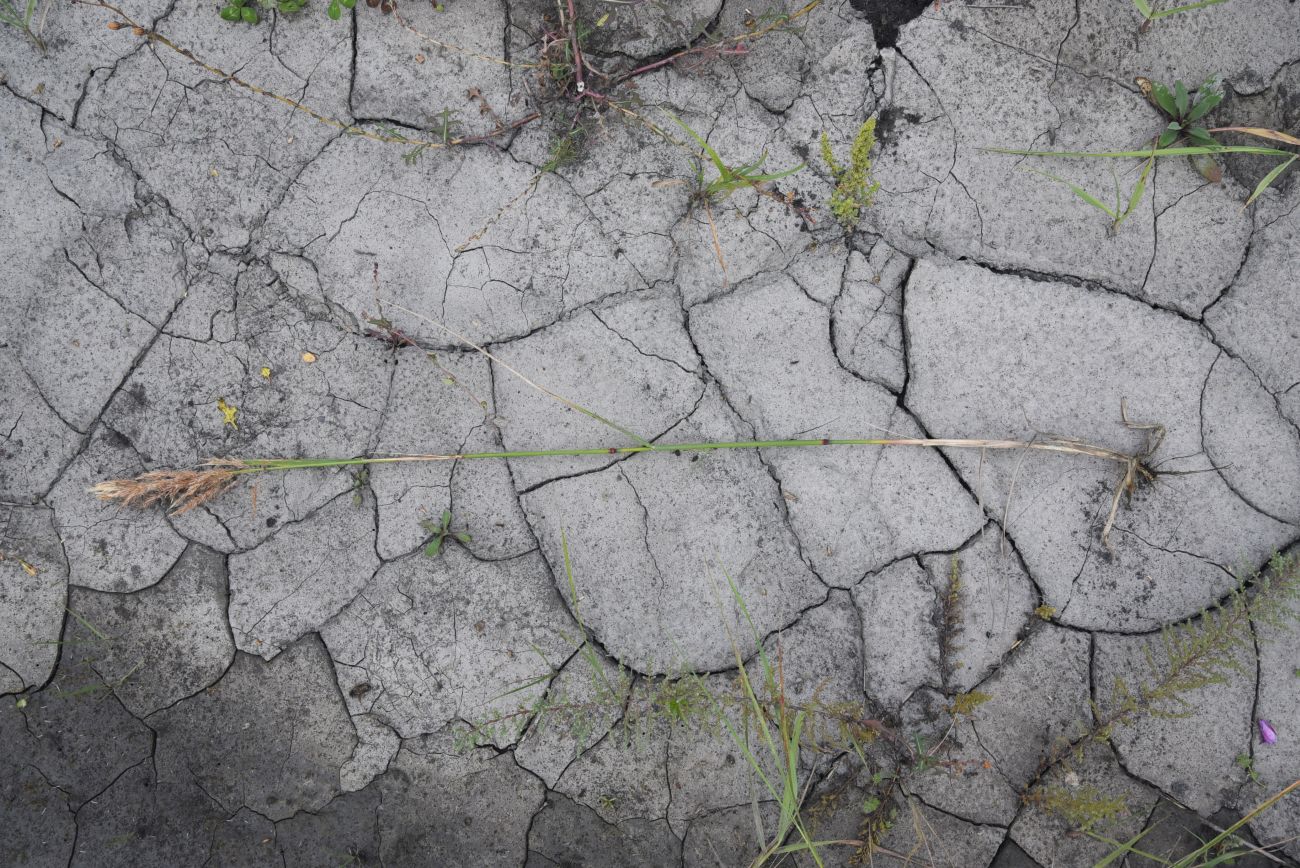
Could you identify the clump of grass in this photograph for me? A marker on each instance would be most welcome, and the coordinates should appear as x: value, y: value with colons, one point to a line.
x: 729, y: 178
x: 855, y: 189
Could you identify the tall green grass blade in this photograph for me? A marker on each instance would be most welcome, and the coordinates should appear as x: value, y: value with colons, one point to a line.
x: 1158, y: 152
x: 1125, y: 848
x: 1270, y: 178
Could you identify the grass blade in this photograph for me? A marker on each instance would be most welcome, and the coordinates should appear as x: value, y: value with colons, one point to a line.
x: 1138, y: 189
x: 1144, y: 8
x: 1270, y: 178
x: 1158, y: 152
x: 572, y: 405
x: 1208, y: 846
x: 1164, y: 13
x: 1081, y: 193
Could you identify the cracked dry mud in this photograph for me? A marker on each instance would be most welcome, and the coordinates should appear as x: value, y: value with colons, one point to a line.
x: 281, y: 681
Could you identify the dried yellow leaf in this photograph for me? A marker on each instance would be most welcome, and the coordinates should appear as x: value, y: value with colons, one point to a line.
x: 309, y: 357
x: 229, y: 412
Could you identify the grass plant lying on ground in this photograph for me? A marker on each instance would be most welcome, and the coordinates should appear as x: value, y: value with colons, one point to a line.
x: 185, y: 489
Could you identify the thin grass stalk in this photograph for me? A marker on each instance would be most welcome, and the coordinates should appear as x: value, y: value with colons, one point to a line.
x: 185, y: 489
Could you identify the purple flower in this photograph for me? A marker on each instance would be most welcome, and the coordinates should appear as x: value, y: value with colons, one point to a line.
x: 1266, y: 733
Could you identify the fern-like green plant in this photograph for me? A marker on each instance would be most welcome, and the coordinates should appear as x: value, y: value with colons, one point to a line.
x: 1193, y: 654
x: 1209, y: 649
x: 855, y: 189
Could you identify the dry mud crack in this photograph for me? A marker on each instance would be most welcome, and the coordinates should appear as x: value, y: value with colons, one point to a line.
x: 192, y: 269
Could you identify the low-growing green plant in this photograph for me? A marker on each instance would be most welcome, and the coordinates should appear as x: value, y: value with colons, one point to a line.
x: 1186, y: 112
x: 441, y: 529
x: 25, y: 20
x: 854, y: 187
x: 246, y: 11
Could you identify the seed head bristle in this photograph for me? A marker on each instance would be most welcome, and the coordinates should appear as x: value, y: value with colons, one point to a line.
x: 182, y: 490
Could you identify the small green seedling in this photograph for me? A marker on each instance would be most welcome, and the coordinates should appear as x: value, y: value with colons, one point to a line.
x: 1152, y: 12
x: 1247, y: 763
x: 441, y: 530
x: 730, y: 179
x: 446, y: 123
x: 854, y: 187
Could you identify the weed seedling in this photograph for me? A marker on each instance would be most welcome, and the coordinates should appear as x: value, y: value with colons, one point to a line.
x: 854, y: 187
x: 1185, y: 112
x: 441, y: 529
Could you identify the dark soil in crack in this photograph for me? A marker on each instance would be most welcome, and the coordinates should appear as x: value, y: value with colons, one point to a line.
x: 887, y: 17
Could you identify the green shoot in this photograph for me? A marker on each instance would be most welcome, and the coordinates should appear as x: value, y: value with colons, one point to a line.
x: 440, y: 530
x: 1121, y: 210
x: 729, y: 179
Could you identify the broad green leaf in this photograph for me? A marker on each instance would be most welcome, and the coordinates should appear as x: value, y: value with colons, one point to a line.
x: 1164, y: 99
x: 1201, y: 136
x: 1202, y: 108
x: 1180, y: 97
x: 446, y: 517
x: 1170, y: 133
x: 1270, y: 178
x: 434, y: 546
x: 463, y: 537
